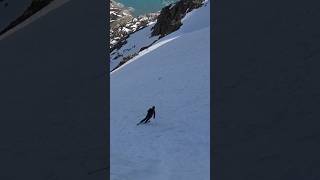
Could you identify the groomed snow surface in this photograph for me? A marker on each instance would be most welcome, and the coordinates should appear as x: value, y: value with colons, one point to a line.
x: 173, y: 75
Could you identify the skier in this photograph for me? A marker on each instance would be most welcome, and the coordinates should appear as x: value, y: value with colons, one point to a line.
x: 151, y: 112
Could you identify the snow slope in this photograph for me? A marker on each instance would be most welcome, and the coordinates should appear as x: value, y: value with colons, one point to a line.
x: 53, y: 104
x: 173, y: 75
x: 135, y: 42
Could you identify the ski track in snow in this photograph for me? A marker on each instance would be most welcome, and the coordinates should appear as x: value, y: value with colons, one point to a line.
x: 173, y: 75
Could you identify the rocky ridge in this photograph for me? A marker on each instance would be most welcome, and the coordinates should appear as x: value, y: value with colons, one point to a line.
x: 123, y: 23
x: 170, y: 17
x: 160, y: 25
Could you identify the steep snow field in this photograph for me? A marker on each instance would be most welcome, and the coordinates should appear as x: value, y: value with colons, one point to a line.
x: 173, y: 75
x: 134, y: 43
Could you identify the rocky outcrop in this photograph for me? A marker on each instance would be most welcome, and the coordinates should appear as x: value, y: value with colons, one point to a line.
x: 167, y: 21
x: 119, y: 17
x: 122, y: 28
x: 118, y: 12
x: 170, y: 17
x: 123, y: 23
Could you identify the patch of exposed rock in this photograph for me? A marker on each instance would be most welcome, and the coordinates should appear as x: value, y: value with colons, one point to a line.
x: 166, y: 22
x: 170, y: 17
x: 123, y: 23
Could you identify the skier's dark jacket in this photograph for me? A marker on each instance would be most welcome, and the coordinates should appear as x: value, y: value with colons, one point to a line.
x: 151, y: 112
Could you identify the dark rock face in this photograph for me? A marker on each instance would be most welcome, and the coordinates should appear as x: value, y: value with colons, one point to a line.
x: 167, y: 21
x: 123, y: 23
x: 170, y: 17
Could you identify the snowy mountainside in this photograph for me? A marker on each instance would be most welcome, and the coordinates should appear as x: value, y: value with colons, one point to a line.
x: 173, y: 74
x: 133, y: 45
x: 168, y: 21
x: 117, y: 11
x: 123, y: 22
